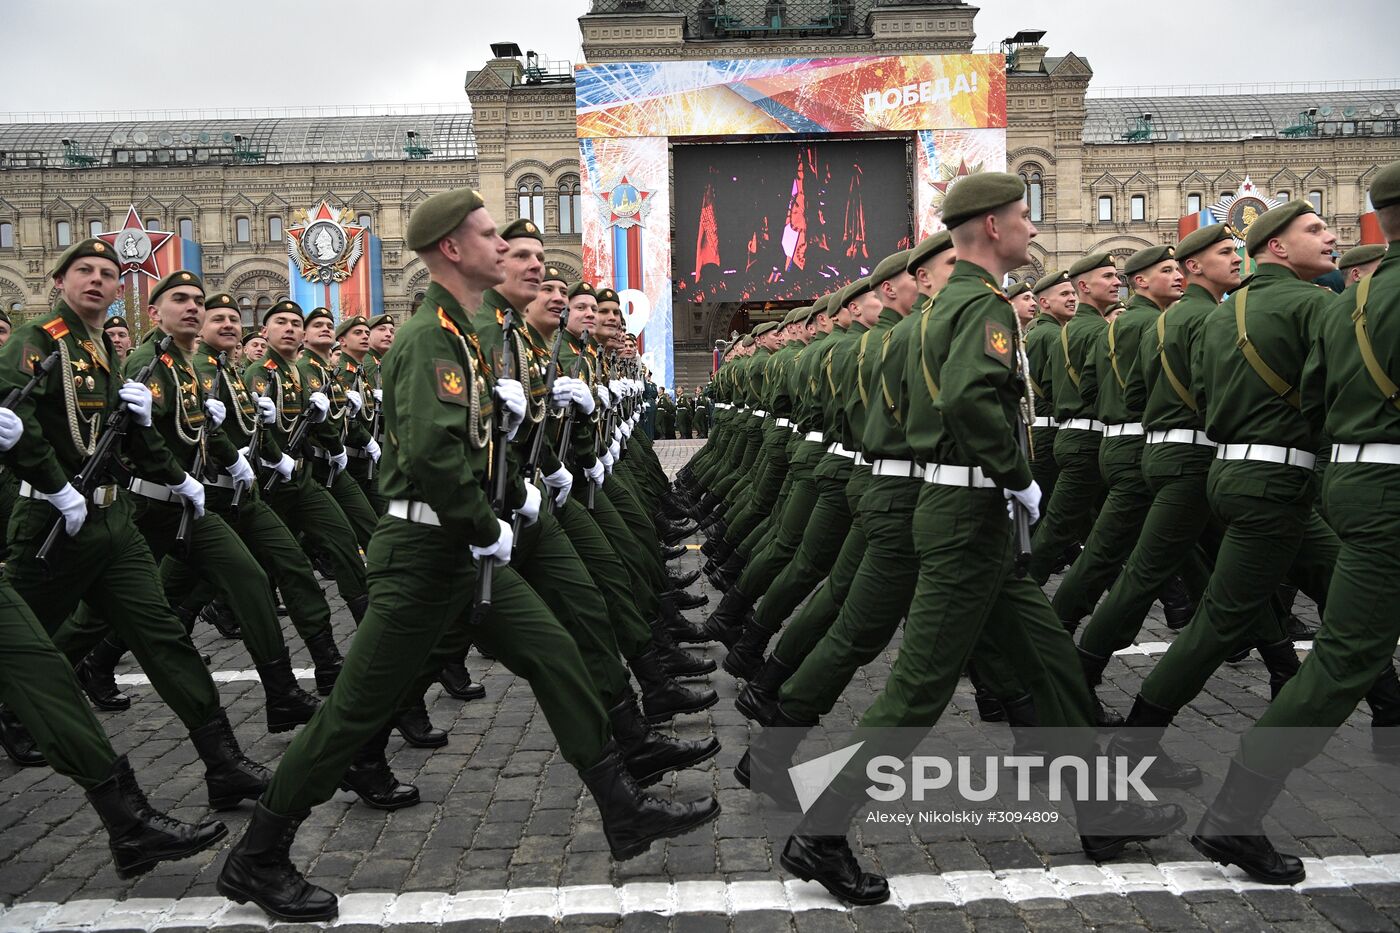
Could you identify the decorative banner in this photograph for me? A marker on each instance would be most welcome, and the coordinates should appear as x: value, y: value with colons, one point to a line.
x: 1239, y: 210
x: 791, y: 95
x: 334, y: 264
x: 1371, y: 230
x: 945, y: 157
x: 146, y: 257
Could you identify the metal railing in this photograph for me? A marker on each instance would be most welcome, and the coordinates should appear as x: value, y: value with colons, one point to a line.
x: 1267, y: 87
x: 233, y: 113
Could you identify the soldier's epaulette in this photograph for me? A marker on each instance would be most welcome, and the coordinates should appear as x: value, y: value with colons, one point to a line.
x: 270, y: 364
x: 350, y: 367
x: 57, y: 328
x: 212, y: 360
x: 996, y: 291
x: 446, y: 323
x: 166, y: 359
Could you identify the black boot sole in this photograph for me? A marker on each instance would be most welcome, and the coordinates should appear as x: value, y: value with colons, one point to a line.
x: 422, y: 743
x: 741, y: 671
x: 474, y: 692
x: 232, y: 801
x: 1215, y: 854
x: 656, y: 719
x: 801, y: 871
x: 637, y: 847
x: 646, y: 780
x: 381, y: 805
x: 240, y: 896
x: 146, y: 864
x: 748, y: 710
x: 286, y: 725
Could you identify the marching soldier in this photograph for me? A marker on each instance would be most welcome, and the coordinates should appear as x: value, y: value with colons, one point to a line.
x: 1360, y: 261
x: 254, y: 348
x: 358, y: 373
x: 701, y: 401
x: 116, y: 330
x: 665, y: 415
x: 1054, y: 294
x: 685, y: 413
x: 1023, y: 301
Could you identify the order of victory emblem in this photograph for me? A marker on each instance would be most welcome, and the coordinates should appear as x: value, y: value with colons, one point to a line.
x: 324, y: 248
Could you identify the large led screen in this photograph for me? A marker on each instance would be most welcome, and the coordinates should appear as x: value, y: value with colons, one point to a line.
x: 785, y: 221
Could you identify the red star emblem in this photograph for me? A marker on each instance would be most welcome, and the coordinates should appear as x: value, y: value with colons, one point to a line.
x: 136, y: 246
x: 626, y: 203
x: 962, y: 172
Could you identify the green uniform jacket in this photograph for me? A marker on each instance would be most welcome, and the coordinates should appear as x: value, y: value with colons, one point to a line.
x: 778, y: 386
x: 1042, y: 343
x: 584, y: 449
x: 177, y: 410
x: 969, y: 352
x: 1181, y: 326
x: 221, y: 382
x: 1077, y: 398
x: 280, y: 381
x: 354, y: 377
x: 841, y: 379
x: 530, y: 349
x: 867, y: 374
x: 888, y: 410
x: 827, y: 392
x: 808, y: 381
x: 317, y: 375
x: 1122, y: 392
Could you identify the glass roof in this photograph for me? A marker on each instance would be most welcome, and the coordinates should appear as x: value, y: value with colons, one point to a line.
x: 1242, y: 116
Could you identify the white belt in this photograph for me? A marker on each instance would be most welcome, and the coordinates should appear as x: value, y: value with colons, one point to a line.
x: 1366, y: 453
x: 840, y: 451
x: 1122, y: 430
x: 1266, y: 453
x: 222, y: 481
x: 102, y: 496
x: 723, y: 405
x: 158, y: 492
x: 357, y: 453
x: 906, y: 468
x: 419, y: 512
x: 1179, y: 436
x: 783, y: 423
x: 942, y: 474
x: 860, y: 459
x: 815, y: 437
x: 1083, y: 424
x: 1044, y: 422
x: 760, y: 413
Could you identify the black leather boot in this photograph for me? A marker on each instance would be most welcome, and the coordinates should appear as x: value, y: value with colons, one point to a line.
x: 259, y: 869
x: 745, y: 656
x: 671, y: 552
x: 673, y: 533
x: 288, y: 706
x: 325, y: 656
x: 229, y: 775
x: 829, y: 861
x: 677, y: 661
x: 1093, y: 666
x: 726, y: 623
x: 648, y: 753
x: 417, y: 729
x: 457, y: 681
x: 758, y: 701
x: 1282, y: 662
x: 1148, y: 821
x: 97, y: 675
x: 679, y: 581
x: 1023, y: 718
x: 989, y: 708
x: 222, y: 618
x: 764, y: 767
x: 681, y: 629
x: 358, y: 607
x: 18, y: 743
x: 684, y: 600
x: 632, y: 819
x: 139, y: 835
x: 1141, y: 735
x: 729, y: 572
x: 1232, y: 831
x: 663, y: 698
x: 716, y: 546
x: 1176, y: 603
x: 370, y: 777
x: 1384, y: 700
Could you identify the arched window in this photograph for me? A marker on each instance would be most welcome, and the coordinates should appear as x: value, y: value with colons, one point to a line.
x: 1035, y: 192
x: 152, y: 223
x: 263, y: 304
x: 7, y: 235
x: 63, y: 233
x: 245, y: 311
x: 1105, y: 207
x: 1193, y: 203
x: 570, y: 205
x: 1283, y: 195
x: 1137, y: 207
x: 1315, y: 199
x: 242, y: 231
x: 364, y: 220
x: 186, y: 228
x: 531, y: 199
x: 274, y: 229
x: 94, y: 227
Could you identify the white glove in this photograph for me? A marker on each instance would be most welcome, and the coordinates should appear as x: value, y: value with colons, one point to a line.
x: 355, y: 401
x: 192, y: 491
x: 241, y: 471
x: 378, y: 394
x: 137, y: 399
x: 372, y: 448
x: 561, y: 394
x: 595, y: 473
x: 285, y: 466
x: 511, y: 395
x: 626, y: 428
x: 499, y: 549
x: 339, y: 461
x: 636, y: 416
x: 607, y: 461
x: 72, y: 506
x: 267, y: 409
x: 615, y: 451
x: 11, y: 429
x: 603, y: 395
x: 1028, y: 497
x: 530, y: 510
x: 320, y: 405
x: 215, y: 411
x: 561, y: 481
x: 617, y: 388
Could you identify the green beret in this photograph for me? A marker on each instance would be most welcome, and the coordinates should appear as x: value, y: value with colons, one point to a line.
x: 608, y: 294
x: 115, y: 320
x: 1385, y: 187
x: 554, y: 274
x: 1198, y: 240
x: 5, y: 317
x: 582, y: 288
x: 767, y: 328
x: 980, y: 193
x: 438, y: 216
x: 1049, y: 280
x: 890, y: 266
x: 282, y: 307
x: 1271, y: 223
x: 178, y: 277
x: 379, y: 320
x: 795, y: 315
x: 89, y: 247
x: 524, y: 227
x: 1147, y: 258
x: 1020, y: 288
x: 927, y: 249
x: 851, y: 292
x: 252, y: 334
x: 357, y: 321
x: 220, y: 300
x: 821, y: 306
x: 1358, y: 255
x: 1089, y: 263
x: 318, y: 313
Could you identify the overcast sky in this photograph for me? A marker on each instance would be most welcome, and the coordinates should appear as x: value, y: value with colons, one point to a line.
x: 167, y: 54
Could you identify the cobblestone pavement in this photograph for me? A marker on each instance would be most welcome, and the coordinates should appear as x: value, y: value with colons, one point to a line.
x: 506, y: 838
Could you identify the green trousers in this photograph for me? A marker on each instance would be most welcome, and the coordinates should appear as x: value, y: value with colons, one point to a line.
x: 646, y: 587
x: 1359, y: 629
x: 609, y: 575
x: 1114, y: 533
x: 1079, y: 488
x: 789, y: 527
x: 1174, y: 525
x: 351, y: 499
x: 109, y: 566
x: 38, y: 686
x: 878, y: 599
x: 826, y: 530
x: 309, y: 510
x: 641, y: 527
x: 747, y: 452
x: 803, y: 633
x: 1044, y: 468
x: 359, y: 472
x: 1272, y: 534
x: 745, y: 515
x: 422, y: 581
x: 9, y: 494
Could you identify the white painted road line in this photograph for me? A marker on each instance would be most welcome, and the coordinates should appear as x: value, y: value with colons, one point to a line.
x: 954, y: 888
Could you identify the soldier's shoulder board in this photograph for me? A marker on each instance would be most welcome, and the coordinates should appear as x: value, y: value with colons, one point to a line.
x: 998, y: 343
x: 269, y: 363
x: 450, y: 382
x: 57, y: 328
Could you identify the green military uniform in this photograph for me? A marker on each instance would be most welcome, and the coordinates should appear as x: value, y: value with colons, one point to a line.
x: 362, y: 376
x: 702, y: 413
x: 1042, y: 341
x: 685, y: 415
x: 665, y: 417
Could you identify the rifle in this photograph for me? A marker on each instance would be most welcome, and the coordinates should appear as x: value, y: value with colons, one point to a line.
x: 373, y: 430
x: 498, y: 464
x: 551, y: 370
x: 102, y: 451
x: 1026, y: 408
x: 568, y: 428
x: 295, y: 437
x: 182, y: 533
x: 41, y: 369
